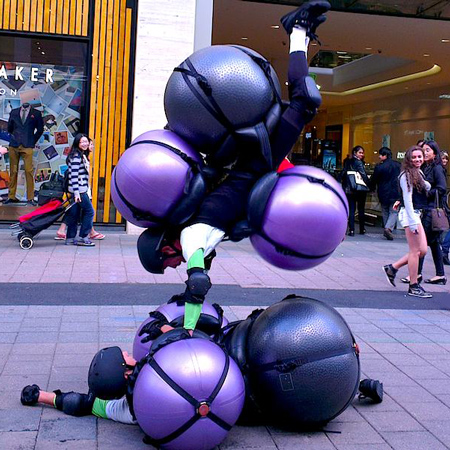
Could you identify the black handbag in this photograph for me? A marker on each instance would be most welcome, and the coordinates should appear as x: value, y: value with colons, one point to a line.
x: 355, y: 181
x: 439, y: 220
x: 51, y: 189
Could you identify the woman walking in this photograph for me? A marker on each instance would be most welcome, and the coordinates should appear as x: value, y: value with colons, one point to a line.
x: 414, y: 189
x: 78, y: 167
x: 435, y: 174
x: 356, y: 193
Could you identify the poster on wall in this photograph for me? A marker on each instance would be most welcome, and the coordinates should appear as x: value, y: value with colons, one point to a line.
x: 58, y: 93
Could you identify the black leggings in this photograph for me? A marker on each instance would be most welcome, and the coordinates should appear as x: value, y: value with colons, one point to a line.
x: 227, y: 204
x: 433, y: 243
x: 357, y: 198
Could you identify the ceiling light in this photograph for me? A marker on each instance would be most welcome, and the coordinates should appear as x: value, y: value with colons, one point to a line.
x: 426, y: 54
x: 314, y: 43
x: 444, y: 96
x: 368, y: 48
x: 406, y: 87
x: 445, y: 40
x: 275, y: 27
x: 244, y: 38
x: 287, y: 83
x: 341, y: 52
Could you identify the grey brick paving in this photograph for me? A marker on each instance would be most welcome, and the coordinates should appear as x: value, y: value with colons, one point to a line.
x: 52, y: 346
x: 415, y: 413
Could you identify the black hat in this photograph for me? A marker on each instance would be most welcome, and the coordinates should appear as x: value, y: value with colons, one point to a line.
x: 106, y: 377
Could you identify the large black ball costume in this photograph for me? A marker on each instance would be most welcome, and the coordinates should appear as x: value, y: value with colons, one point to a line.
x: 303, y: 363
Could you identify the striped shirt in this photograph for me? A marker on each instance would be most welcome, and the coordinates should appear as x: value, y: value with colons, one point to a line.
x: 78, y: 174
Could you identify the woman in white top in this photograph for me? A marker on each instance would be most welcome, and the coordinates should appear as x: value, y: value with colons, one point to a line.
x: 414, y: 197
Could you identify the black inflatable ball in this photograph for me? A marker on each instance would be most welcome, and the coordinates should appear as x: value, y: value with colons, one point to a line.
x: 303, y: 363
x: 235, y: 341
x: 220, y: 90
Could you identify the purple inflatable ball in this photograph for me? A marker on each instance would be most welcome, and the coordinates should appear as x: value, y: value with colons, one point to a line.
x: 305, y: 217
x: 196, y: 365
x: 172, y: 312
x: 151, y: 177
x: 127, y: 214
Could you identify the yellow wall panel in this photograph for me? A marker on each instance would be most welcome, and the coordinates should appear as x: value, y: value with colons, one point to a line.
x: 33, y: 15
x: 19, y: 20
x: 40, y: 15
x: 6, y: 10
x: 112, y: 28
x: 12, y: 14
x: 26, y: 14
x: 1, y: 12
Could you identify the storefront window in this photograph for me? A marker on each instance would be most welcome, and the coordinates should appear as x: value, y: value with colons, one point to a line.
x: 50, y: 76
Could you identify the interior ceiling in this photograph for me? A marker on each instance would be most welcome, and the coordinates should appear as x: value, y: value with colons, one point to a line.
x: 417, y: 8
x: 408, y: 39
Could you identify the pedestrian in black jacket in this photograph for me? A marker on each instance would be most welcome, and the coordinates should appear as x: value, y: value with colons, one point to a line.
x: 385, y: 180
x: 356, y: 197
x: 26, y: 126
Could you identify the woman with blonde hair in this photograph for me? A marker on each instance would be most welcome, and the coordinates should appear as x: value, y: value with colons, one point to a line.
x: 414, y: 189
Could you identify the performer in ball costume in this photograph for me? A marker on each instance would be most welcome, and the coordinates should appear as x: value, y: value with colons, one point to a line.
x: 226, y: 205
x: 107, y: 398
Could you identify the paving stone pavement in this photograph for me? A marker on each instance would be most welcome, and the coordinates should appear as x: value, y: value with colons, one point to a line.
x: 52, y: 346
x: 356, y: 264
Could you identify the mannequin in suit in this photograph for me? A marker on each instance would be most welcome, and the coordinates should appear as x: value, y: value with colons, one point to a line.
x: 26, y: 127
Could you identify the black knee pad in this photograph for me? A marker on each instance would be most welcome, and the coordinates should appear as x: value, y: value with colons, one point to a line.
x: 198, y: 285
x: 73, y: 403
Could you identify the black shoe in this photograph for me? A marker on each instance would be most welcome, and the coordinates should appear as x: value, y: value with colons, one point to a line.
x: 308, y: 16
x: 446, y: 260
x: 362, y: 231
x: 418, y: 291
x: 31, y: 203
x: 30, y: 395
x: 372, y: 389
x: 390, y: 273
x: 10, y: 201
x: 388, y: 234
x: 406, y: 279
x: 440, y: 280
x: 351, y: 233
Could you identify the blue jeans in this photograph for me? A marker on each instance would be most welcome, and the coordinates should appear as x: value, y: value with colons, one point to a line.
x: 389, y: 216
x: 446, y: 244
x: 86, y: 210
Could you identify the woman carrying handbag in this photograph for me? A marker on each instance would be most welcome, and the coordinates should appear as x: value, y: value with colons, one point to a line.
x: 355, y: 183
x: 436, y: 176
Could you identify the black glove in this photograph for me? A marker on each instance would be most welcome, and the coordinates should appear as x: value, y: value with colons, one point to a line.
x: 153, y: 328
x: 30, y: 395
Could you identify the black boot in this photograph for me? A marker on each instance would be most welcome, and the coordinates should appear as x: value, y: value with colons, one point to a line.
x: 372, y: 389
x: 308, y: 16
x: 30, y: 395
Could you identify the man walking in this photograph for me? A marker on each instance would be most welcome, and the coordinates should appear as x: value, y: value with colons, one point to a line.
x: 385, y: 176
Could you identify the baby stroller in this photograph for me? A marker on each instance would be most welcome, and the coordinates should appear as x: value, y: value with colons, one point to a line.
x: 30, y: 225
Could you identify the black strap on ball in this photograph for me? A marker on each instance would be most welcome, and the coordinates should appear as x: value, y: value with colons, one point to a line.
x: 202, y: 408
x: 215, y: 110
